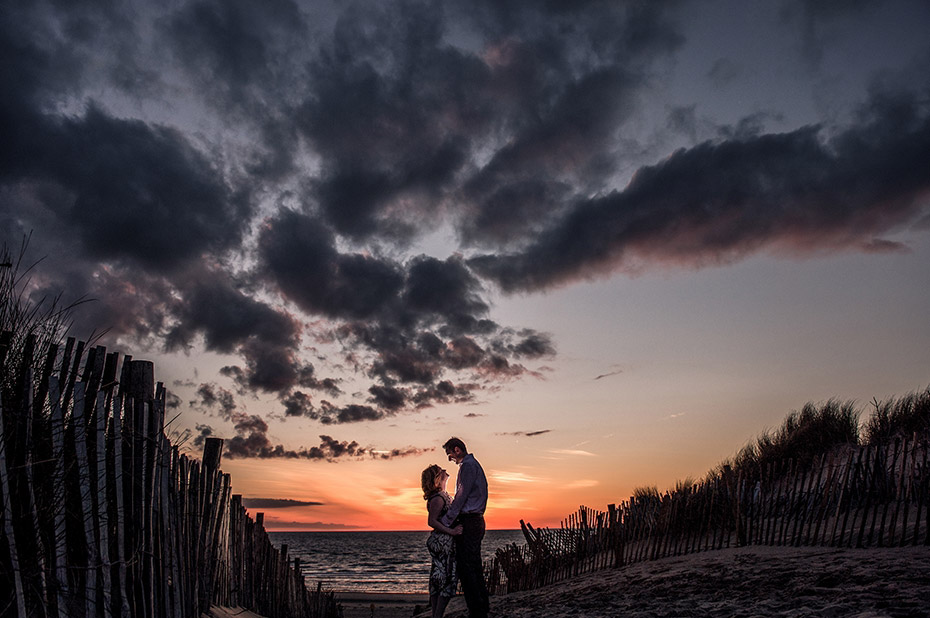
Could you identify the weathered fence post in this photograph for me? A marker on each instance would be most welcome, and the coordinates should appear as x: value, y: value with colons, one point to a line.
x: 60, y: 553
x: 210, y: 464
x: 103, y: 522
x: 8, y: 519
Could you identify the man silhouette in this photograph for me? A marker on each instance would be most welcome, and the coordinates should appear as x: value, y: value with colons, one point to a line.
x: 467, y: 509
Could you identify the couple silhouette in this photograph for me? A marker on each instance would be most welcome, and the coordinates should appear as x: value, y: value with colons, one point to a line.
x: 458, y: 529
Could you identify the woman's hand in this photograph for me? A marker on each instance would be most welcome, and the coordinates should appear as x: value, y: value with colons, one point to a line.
x: 456, y: 531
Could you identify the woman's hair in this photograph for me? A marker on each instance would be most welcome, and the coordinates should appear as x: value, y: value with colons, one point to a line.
x: 429, y: 480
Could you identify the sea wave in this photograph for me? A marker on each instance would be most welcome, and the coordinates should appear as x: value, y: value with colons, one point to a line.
x: 363, y: 561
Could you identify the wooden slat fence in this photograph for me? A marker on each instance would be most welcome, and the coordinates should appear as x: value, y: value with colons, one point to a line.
x: 102, y: 516
x: 871, y: 496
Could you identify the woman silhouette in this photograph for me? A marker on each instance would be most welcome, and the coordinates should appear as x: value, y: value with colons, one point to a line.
x: 443, y: 576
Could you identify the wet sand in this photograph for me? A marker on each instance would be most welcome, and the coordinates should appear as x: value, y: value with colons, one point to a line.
x: 381, y: 605
x: 354, y: 605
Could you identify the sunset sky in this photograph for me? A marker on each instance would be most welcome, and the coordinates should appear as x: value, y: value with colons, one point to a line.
x: 604, y: 243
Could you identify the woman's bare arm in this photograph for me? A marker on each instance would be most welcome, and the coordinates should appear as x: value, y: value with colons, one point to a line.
x: 434, y: 508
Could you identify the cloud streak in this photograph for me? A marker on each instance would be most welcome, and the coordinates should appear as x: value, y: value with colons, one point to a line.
x: 252, y: 442
x: 571, y: 452
x: 276, y: 503
x: 526, y: 434
x: 510, y: 477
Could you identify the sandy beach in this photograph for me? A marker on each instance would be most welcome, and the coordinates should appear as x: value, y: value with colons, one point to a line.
x: 750, y: 581
x: 744, y: 582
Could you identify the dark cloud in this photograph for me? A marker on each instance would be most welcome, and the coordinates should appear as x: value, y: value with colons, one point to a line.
x: 214, y: 397
x: 248, y: 62
x: 583, y: 31
x: 424, y: 361
x: 497, y: 368
x: 351, y: 413
x: 525, y: 343
x: 526, y: 434
x: 571, y: 147
x: 392, y: 399
x: 135, y: 192
x: 203, y: 432
x: 388, y: 397
x: 172, y: 401
x: 398, y: 315
x: 276, y: 503
x: 269, y: 368
x: 303, y: 525
x: 463, y: 353
x: 388, y: 401
x: 234, y: 49
x: 796, y: 192
x: 683, y: 120
x: 251, y: 441
x: 299, y: 254
x: 221, y: 309
x: 568, y: 79
x: 406, y: 364
x: 445, y: 392
x: 399, y: 114
x: 723, y: 72
x: 515, y: 210
x: 298, y: 403
x: 392, y: 116
x: 446, y: 291
x: 815, y: 19
x: 753, y: 125
x: 47, y: 49
x: 128, y: 302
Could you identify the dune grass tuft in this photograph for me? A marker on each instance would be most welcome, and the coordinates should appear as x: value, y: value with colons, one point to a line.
x: 901, y: 416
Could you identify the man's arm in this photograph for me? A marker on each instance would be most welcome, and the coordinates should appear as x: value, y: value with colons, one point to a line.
x: 465, y: 482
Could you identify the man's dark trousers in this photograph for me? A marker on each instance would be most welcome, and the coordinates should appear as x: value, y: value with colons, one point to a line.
x: 470, y: 567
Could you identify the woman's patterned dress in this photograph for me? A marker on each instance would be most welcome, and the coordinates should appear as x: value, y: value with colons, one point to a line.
x: 443, y: 576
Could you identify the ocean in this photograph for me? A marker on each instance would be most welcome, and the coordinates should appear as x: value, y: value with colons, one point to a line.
x: 372, y: 561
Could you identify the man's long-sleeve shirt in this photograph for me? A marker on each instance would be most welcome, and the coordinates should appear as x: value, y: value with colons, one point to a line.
x: 471, y: 490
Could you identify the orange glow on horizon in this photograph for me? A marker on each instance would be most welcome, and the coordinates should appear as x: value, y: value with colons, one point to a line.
x: 381, y: 496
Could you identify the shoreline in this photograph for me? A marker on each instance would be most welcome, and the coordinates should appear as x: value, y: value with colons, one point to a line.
x: 382, y: 597
x: 381, y: 604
